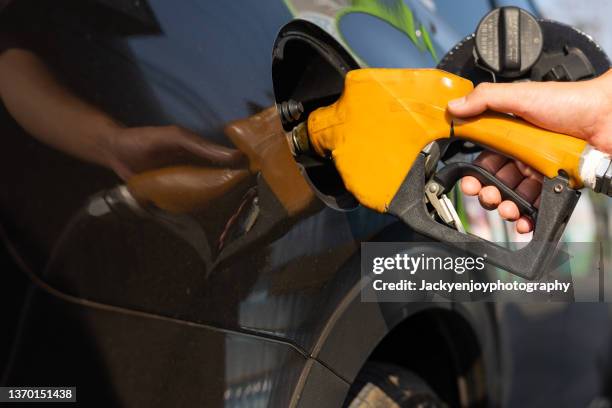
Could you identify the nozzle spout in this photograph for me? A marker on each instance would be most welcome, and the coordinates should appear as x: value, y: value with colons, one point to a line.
x: 596, y: 170
x: 604, y: 179
x: 299, y: 141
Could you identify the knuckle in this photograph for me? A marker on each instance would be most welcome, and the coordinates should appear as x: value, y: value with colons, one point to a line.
x: 480, y: 93
x: 482, y: 88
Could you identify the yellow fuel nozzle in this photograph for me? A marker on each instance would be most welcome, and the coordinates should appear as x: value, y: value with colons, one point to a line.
x: 385, y: 117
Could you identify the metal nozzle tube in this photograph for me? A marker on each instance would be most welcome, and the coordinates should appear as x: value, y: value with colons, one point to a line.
x: 298, y: 140
x: 596, y: 170
x: 603, y: 178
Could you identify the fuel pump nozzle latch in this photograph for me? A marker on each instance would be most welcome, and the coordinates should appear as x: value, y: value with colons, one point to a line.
x: 442, y: 205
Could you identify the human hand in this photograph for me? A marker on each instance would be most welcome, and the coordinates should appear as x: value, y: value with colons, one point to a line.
x: 524, y: 180
x: 134, y: 150
x: 580, y: 109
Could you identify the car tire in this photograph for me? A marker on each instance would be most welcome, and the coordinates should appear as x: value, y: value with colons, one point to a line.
x: 384, y: 385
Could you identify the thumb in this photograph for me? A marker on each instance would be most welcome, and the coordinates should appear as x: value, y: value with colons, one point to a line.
x: 505, y: 98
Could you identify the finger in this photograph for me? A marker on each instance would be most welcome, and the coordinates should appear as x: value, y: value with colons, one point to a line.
x: 509, y: 98
x: 213, y: 152
x: 470, y: 185
x: 508, y: 210
x: 529, y: 189
x: 490, y: 161
x: 489, y: 197
x: 524, y: 225
x: 510, y: 175
x: 122, y: 170
x: 205, y: 149
x: 528, y: 171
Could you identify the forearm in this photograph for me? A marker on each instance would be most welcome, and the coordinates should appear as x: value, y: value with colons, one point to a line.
x: 49, y: 112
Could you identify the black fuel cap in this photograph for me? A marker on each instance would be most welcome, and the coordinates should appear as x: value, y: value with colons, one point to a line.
x: 508, y: 41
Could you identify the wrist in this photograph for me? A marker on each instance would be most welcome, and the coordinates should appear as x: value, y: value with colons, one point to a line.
x: 605, y: 86
x: 601, y: 135
x: 108, y: 141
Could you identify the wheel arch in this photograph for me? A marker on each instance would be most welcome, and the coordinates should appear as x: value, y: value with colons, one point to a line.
x: 423, y: 337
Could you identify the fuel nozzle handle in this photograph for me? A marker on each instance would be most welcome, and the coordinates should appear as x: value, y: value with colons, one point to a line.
x: 595, y: 167
x: 385, y: 117
x: 548, y: 152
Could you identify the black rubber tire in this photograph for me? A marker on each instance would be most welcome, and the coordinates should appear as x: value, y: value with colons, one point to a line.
x: 384, y: 385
